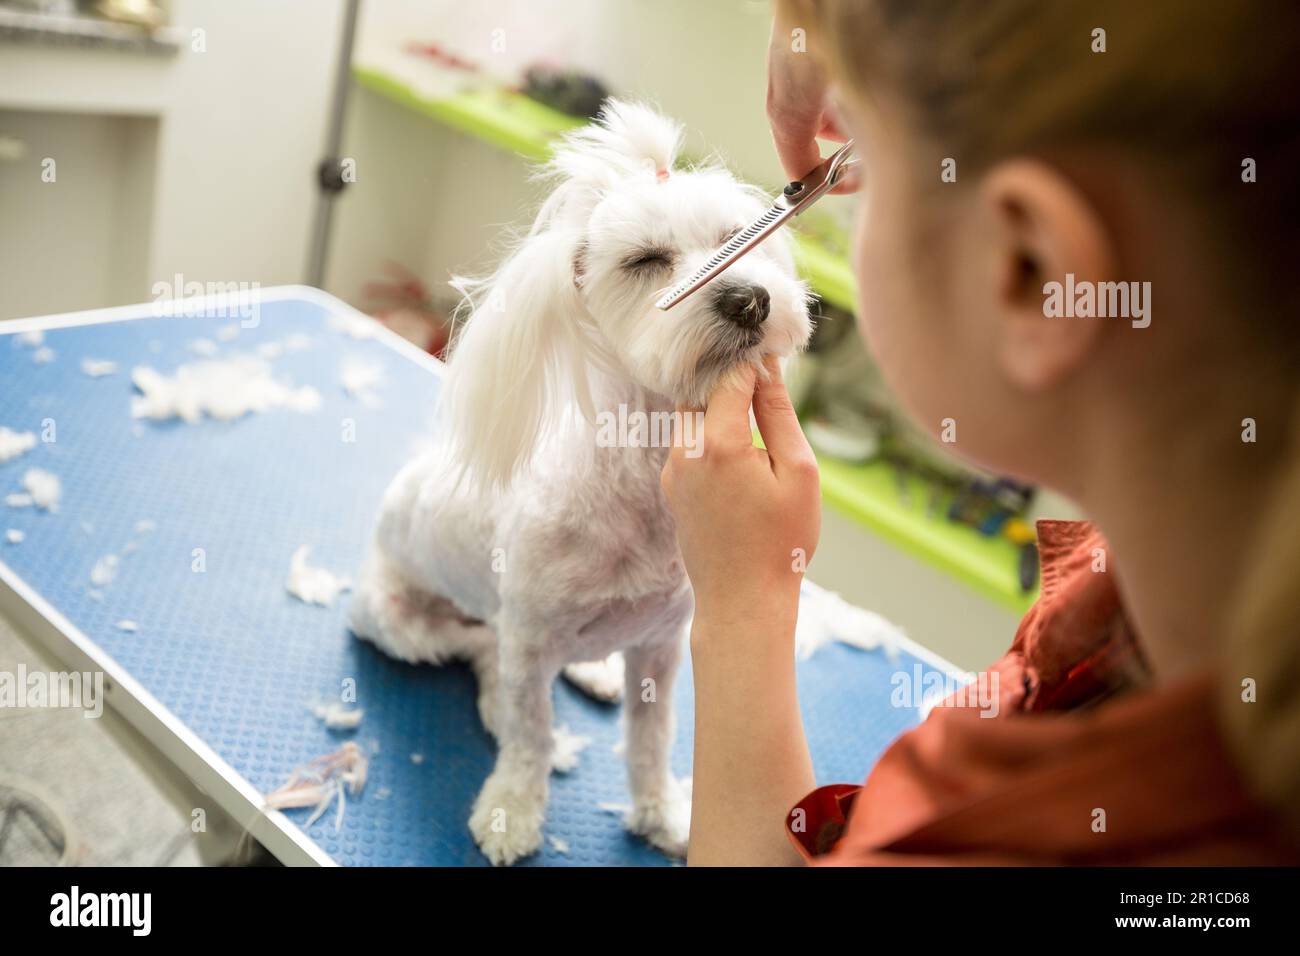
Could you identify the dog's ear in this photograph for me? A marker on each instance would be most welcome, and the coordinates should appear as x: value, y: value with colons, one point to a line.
x: 628, y: 139
x: 522, y: 357
x: 517, y: 361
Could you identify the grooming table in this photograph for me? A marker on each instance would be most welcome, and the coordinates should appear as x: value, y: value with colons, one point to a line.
x: 225, y: 666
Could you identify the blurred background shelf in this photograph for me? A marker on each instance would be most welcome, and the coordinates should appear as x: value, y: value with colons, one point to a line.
x: 503, y: 118
x: 34, y: 27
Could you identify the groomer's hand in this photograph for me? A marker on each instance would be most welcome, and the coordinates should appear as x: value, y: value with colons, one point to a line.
x: 748, y: 521
x: 748, y: 518
x: 798, y: 102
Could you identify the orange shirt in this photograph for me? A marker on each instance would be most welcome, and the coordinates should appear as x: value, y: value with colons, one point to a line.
x: 1084, y: 763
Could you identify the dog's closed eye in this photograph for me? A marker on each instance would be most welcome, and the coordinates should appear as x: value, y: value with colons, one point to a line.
x: 649, y: 260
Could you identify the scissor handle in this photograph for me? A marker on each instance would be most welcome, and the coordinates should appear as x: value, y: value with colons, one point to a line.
x: 802, y: 193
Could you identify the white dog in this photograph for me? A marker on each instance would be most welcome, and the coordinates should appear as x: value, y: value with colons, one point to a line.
x: 524, y: 544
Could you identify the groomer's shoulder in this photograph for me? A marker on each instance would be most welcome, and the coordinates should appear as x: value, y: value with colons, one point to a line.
x: 1073, y: 647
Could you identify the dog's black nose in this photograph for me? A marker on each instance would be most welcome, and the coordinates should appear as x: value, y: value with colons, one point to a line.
x: 746, y: 305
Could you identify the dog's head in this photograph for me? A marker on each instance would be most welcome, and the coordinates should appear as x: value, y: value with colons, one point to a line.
x: 621, y: 227
x: 642, y: 227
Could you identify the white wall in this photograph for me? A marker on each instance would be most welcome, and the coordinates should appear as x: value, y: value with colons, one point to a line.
x: 71, y: 243
x: 243, y: 137
x: 240, y: 129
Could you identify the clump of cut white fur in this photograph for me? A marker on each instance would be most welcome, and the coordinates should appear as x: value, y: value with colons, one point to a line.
x: 105, y: 570
x: 313, y: 585
x: 98, y: 368
x: 13, y: 444
x: 336, y: 716
x: 825, y: 617
x: 44, y: 487
x: 221, y: 389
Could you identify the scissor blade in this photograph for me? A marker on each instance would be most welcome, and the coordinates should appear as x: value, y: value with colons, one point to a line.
x: 726, y: 256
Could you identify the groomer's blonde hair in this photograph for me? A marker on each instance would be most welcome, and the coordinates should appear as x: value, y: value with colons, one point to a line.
x: 1189, y: 87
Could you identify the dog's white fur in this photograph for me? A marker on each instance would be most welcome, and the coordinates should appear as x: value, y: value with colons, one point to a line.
x: 519, y: 544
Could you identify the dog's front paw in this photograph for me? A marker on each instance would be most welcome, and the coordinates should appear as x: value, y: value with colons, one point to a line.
x: 664, y: 822
x: 507, y: 821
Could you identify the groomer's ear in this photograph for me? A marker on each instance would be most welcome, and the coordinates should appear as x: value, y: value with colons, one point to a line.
x: 1044, y: 228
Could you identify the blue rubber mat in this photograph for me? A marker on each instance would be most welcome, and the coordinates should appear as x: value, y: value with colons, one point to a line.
x: 238, y: 660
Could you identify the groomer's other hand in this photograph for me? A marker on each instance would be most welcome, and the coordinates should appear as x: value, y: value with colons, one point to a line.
x: 748, y: 519
x: 798, y: 104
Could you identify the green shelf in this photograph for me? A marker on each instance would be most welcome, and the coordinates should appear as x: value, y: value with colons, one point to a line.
x: 871, y: 494
x: 503, y: 118
x: 867, y: 493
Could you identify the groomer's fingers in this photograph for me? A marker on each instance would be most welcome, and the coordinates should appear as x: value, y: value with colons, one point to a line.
x: 832, y: 128
x: 778, y: 423
x: 796, y: 127
x: 795, y: 138
x: 796, y: 102
x: 726, y: 420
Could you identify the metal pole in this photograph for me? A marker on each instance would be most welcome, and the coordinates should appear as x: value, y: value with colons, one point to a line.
x: 329, y: 173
